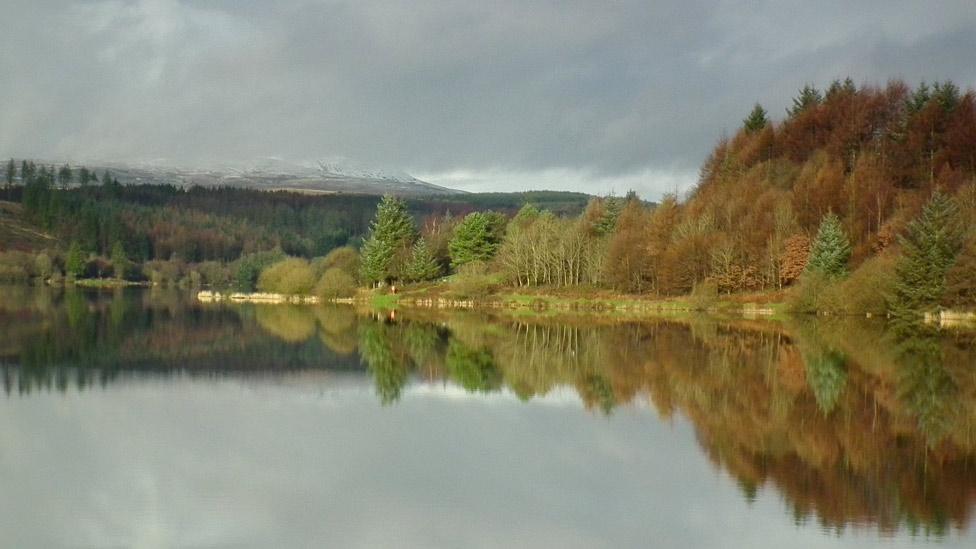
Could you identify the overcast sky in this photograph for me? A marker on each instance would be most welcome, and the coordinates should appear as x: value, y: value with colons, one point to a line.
x: 496, y: 95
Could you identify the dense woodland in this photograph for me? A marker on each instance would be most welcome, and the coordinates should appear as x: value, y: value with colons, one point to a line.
x: 861, y: 193
x: 195, y: 235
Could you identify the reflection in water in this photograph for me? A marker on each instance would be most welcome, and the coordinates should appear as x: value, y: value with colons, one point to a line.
x: 853, y: 423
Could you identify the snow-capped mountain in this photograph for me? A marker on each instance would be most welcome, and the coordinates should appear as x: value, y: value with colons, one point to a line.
x: 273, y: 173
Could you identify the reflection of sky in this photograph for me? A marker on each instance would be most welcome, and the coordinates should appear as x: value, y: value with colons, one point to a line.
x: 266, y: 464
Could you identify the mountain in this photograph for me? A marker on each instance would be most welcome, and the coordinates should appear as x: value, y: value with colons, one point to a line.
x: 275, y: 174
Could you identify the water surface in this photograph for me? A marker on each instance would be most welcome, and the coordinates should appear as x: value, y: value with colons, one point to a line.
x: 143, y: 419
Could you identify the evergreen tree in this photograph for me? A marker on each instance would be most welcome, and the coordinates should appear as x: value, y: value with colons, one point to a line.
x: 84, y: 176
x: 756, y: 120
x: 120, y: 261
x: 919, y: 98
x: 476, y: 238
x: 830, y: 250
x: 391, y: 232
x: 65, y: 176
x: 929, y: 249
x: 11, y: 173
x: 74, y: 263
x: 422, y: 264
x: 809, y: 97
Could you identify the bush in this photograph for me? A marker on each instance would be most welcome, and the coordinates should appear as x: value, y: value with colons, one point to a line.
x: 292, y: 276
x: 868, y: 289
x: 335, y: 283
x: 473, y: 280
x: 345, y: 258
x: 15, y: 267
x: 704, y: 295
x: 215, y: 274
x: 812, y: 295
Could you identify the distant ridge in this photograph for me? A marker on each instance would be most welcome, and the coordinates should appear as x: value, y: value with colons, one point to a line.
x: 272, y: 174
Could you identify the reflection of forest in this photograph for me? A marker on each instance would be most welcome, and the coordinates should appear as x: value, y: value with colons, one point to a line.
x: 853, y: 422
x: 56, y: 339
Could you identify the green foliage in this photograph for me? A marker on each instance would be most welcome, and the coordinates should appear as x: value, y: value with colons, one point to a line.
x: 809, y: 97
x: 929, y: 248
x: 830, y: 250
x: 476, y: 238
x: 335, y: 283
x: 422, y: 264
x: 756, y: 120
x: 392, y: 231
x: 473, y: 369
x: 250, y: 266
x: 120, y: 261
x: 74, y: 262
x: 344, y: 258
x: 827, y: 376
x: 473, y: 280
x: 961, y: 278
x: 390, y: 370
x: 292, y: 276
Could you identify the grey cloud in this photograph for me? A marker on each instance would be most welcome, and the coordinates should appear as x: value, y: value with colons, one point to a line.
x: 606, y: 89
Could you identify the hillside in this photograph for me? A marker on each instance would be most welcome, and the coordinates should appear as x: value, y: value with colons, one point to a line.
x: 275, y: 175
x: 18, y: 234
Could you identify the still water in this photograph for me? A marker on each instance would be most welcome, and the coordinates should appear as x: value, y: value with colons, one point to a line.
x: 144, y: 419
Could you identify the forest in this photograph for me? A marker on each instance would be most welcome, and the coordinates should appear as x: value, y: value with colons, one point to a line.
x: 861, y: 199
x: 96, y: 227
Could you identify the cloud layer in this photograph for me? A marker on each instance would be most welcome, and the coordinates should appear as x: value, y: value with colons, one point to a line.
x: 628, y: 92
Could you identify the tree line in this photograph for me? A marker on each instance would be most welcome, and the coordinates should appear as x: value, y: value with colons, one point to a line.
x: 850, y: 184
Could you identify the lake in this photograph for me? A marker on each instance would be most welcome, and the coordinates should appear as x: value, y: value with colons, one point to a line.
x: 141, y: 418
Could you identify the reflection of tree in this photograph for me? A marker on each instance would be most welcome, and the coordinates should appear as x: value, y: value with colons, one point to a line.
x: 292, y: 323
x: 389, y: 368
x: 473, y: 369
x: 925, y: 385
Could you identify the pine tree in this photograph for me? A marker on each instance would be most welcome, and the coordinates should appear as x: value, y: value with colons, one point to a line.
x: 84, y: 176
x: 64, y: 176
x: 809, y: 97
x: 756, y: 120
x: 422, y: 264
x: 929, y: 249
x: 74, y: 263
x: 392, y: 230
x: 830, y: 250
x: 11, y: 173
x: 120, y: 261
x: 476, y: 238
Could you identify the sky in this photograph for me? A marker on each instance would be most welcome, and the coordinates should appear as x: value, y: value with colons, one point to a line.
x: 501, y: 95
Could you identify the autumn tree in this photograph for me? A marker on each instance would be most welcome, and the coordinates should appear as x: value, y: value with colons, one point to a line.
x: 796, y: 252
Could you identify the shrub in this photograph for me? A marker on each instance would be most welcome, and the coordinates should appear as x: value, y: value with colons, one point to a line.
x: 345, y: 258
x: 868, y: 289
x: 812, y: 295
x: 473, y: 280
x: 335, y: 283
x: 704, y: 295
x: 292, y: 276
x: 15, y: 267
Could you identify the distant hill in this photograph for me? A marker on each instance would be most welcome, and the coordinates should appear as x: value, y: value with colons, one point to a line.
x: 273, y: 174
